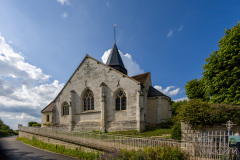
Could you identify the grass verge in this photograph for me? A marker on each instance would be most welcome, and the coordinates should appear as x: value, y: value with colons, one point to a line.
x: 152, y: 131
x: 78, y: 153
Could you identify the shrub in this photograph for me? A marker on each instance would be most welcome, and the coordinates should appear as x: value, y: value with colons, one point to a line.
x: 30, y: 124
x: 196, y: 112
x: 161, y: 153
x: 199, y: 114
x: 36, y: 125
x: 176, y: 132
x: 47, y: 124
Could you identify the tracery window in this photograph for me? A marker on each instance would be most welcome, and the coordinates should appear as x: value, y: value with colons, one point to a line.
x: 88, y: 100
x: 121, y: 101
x: 65, y: 108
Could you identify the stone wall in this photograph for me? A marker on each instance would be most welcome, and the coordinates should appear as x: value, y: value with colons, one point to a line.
x: 54, y: 141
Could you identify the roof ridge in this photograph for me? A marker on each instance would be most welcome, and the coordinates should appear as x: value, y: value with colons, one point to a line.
x: 142, y: 74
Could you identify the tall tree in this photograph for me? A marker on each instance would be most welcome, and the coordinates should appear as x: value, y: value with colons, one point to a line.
x: 222, y: 70
x: 196, y: 89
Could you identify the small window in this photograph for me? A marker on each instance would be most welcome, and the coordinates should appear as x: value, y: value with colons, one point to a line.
x: 88, y: 101
x: 65, y: 108
x: 47, y: 118
x: 121, y: 101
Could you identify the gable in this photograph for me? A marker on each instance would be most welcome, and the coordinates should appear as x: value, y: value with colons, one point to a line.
x: 87, y: 57
x: 48, y: 108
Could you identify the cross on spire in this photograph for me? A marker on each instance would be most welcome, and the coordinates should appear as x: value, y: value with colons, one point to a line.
x: 114, y: 34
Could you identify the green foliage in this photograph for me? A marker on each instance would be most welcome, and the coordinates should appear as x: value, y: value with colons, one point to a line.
x: 222, y: 70
x: 47, y: 124
x: 61, y: 149
x: 196, y: 89
x: 36, y: 125
x: 176, y: 105
x: 176, y: 132
x: 160, y: 153
x: 199, y: 114
x: 32, y: 123
x: 196, y: 112
x: 5, y: 130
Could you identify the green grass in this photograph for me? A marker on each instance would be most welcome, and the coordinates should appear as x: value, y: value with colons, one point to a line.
x: 149, y: 132
x: 61, y: 149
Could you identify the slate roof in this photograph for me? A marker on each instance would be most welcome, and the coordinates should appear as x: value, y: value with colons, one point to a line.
x: 152, y: 92
x: 141, y: 77
x: 115, y: 60
x: 48, y: 108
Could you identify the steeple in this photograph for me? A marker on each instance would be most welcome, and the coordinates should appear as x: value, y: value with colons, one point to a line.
x: 115, y: 60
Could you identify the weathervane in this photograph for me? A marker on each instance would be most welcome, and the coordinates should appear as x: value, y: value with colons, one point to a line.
x: 114, y: 34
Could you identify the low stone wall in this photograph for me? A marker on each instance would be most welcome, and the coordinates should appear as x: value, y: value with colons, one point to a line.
x: 54, y: 141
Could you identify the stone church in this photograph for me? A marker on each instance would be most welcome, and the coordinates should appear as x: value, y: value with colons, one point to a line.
x: 103, y: 97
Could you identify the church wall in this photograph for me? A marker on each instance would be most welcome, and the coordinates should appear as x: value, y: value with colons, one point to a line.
x: 165, y: 109
x: 90, y: 75
x: 44, y: 118
x: 151, y: 117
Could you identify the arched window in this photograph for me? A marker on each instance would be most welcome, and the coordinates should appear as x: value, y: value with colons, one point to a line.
x: 47, y: 118
x: 65, y: 108
x: 88, y: 100
x: 121, y: 101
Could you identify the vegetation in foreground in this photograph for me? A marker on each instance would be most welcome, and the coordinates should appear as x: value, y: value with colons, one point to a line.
x: 161, y: 153
x: 61, y: 149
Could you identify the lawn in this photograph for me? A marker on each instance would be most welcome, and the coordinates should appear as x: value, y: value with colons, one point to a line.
x: 149, y: 132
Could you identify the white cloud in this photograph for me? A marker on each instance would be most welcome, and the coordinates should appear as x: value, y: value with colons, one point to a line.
x: 67, y: 2
x: 24, y: 88
x: 168, y: 91
x: 181, y: 99
x: 64, y: 15
x: 13, y: 65
x: 180, y: 28
x: 107, y: 4
x: 170, y: 33
x: 132, y: 66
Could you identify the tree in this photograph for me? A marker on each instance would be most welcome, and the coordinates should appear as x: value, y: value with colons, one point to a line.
x: 196, y: 89
x: 5, y: 130
x: 222, y: 70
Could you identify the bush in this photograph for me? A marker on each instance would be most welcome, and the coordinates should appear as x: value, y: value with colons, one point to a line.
x: 30, y: 124
x: 36, y: 125
x: 161, y: 153
x: 199, y: 114
x: 176, y: 132
x: 47, y: 124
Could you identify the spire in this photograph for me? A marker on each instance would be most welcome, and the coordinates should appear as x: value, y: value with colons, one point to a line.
x: 114, y: 59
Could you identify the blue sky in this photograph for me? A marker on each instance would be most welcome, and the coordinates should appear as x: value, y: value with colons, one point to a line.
x: 43, y: 41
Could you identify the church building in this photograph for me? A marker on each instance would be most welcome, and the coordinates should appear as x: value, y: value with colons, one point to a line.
x: 103, y: 97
